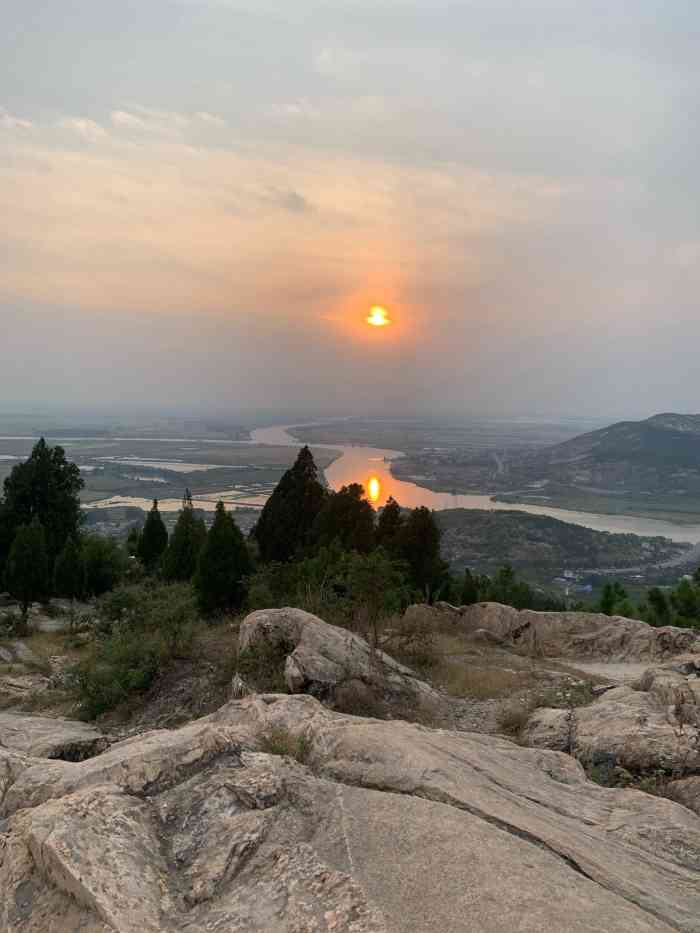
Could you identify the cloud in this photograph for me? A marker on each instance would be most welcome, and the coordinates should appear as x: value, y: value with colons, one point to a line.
x: 88, y: 129
x: 10, y: 122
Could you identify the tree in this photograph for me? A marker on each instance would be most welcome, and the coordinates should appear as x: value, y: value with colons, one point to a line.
x: 389, y: 524
x: 284, y: 528
x: 614, y: 597
x: 189, y: 534
x: 104, y: 563
x: 27, y: 571
x: 348, y: 518
x: 223, y: 565
x: 686, y: 600
x: 377, y: 587
x: 69, y: 571
x: 470, y: 589
x: 154, y: 539
x: 46, y: 487
x: 418, y: 544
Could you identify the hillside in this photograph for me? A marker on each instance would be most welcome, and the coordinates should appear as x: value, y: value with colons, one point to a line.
x: 649, y: 467
x: 541, y: 546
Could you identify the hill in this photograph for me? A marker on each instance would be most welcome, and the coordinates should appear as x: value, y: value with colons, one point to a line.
x: 649, y: 467
x: 540, y: 547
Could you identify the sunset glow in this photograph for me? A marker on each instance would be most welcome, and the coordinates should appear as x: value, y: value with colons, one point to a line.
x: 378, y: 317
x: 374, y: 489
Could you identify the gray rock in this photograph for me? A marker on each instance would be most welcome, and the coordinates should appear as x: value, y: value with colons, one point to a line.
x: 320, y: 658
x: 639, y: 730
x: 393, y: 828
x: 42, y: 737
x: 580, y: 635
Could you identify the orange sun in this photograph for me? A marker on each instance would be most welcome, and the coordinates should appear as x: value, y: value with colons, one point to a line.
x: 374, y: 488
x: 378, y: 316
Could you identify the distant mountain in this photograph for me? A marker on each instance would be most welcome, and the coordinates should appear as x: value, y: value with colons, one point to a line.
x: 659, y: 446
x: 649, y: 468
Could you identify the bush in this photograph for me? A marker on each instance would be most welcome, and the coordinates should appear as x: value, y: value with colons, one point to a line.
x: 147, y: 630
x: 278, y: 740
x: 262, y: 666
x: 513, y: 718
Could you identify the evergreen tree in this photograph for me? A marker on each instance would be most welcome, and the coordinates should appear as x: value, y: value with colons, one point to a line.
x: 470, y: 589
x: 389, y: 524
x: 46, y: 487
x: 418, y: 544
x: 348, y: 518
x: 69, y: 571
x: 104, y: 562
x: 223, y: 565
x: 154, y: 539
x: 285, y: 524
x: 189, y: 534
x: 27, y: 571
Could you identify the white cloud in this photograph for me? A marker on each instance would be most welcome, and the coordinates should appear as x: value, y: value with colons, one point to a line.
x: 88, y: 129
x: 129, y: 121
x: 10, y: 122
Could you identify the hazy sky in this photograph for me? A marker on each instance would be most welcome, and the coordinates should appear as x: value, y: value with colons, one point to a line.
x: 201, y: 198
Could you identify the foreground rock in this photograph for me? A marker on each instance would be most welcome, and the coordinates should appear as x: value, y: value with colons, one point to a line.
x: 50, y: 738
x: 651, y: 727
x: 390, y: 827
x: 324, y: 660
x: 577, y: 635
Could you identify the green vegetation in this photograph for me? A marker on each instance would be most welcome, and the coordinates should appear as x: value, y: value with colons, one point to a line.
x: 223, y: 564
x: 153, y: 540
x: 144, y: 629
x: 27, y: 571
x: 284, y: 529
x: 186, y: 541
x: 541, y: 547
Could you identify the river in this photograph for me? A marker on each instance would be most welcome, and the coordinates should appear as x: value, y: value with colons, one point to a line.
x: 370, y: 466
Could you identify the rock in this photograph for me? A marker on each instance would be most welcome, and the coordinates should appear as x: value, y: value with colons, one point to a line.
x: 686, y: 791
x: 321, y: 657
x: 394, y: 828
x: 581, y: 635
x: 639, y: 730
x: 41, y: 737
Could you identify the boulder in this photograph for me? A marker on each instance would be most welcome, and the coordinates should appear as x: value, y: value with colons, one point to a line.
x: 653, y: 728
x: 320, y: 658
x: 581, y: 635
x: 686, y: 791
x: 391, y: 828
x: 42, y: 737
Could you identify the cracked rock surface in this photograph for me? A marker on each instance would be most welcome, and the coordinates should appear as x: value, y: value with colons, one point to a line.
x: 389, y: 827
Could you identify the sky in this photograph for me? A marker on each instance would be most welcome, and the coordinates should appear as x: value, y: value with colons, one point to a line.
x: 201, y: 199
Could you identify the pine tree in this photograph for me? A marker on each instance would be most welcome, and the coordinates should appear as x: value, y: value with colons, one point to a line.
x: 285, y: 525
x: 45, y: 487
x: 69, y: 571
x: 27, y: 571
x: 186, y: 541
x: 418, y: 544
x: 154, y: 539
x: 224, y: 563
x: 470, y: 589
x: 346, y: 518
x: 389, y: 524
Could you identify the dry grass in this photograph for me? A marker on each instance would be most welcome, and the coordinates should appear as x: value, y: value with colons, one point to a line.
x: 460, y: 679
x: 278, y: 740
x: 512, y: 718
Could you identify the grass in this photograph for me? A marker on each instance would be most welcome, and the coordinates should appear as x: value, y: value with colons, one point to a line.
x: 278, y: 740
x: 460, y: 679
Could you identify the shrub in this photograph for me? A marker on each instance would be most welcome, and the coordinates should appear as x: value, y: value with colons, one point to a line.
x: 149, y: 630
x: 278, y: 740
x: 262, y: 666
x: 513, y: 717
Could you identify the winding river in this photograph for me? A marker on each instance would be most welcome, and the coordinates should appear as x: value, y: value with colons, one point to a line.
x: 370, y: 466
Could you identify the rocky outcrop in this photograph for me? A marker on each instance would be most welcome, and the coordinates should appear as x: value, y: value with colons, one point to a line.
x: 390, y: 827
x: 653, y: 726
x: 50, y: 738
x: 321, y: 659
x: 578, y: 635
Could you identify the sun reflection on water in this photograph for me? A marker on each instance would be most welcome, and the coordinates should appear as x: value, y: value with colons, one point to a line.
x: 374, y: 489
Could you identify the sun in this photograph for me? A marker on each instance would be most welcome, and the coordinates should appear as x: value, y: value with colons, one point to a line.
x: 374, y: 488
x: 378, y: 317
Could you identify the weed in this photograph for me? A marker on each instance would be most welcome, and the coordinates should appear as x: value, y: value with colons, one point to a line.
x: 278, y: 740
